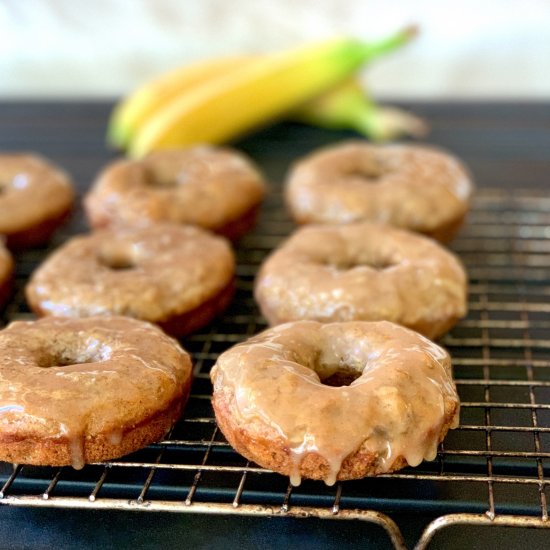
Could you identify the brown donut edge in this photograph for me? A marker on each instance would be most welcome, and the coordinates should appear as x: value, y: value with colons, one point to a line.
x: 181, y: 324
x: 232, y: 230
x: 431, y: 329
x: 98, y: 447
x: 274, y: 454
x: 237, y: 228
x: 195, y: 319
x: 434, y: 328
x: 443, y: 234
x: 447, y: 232
x: 6, y: 288
x: 37, y: 234
x: 7, y: 283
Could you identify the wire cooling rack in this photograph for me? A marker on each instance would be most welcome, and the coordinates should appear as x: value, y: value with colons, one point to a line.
x: 492, y: 470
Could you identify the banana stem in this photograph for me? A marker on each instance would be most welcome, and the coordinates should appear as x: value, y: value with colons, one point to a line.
x: 390, y: 43
x: 387, y: 123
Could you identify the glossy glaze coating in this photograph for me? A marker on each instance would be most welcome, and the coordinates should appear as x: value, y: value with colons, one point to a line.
x: 419, y: 188
x: 363, y: 271
x: 79, y: 390
x: 273, y: 403
x: 153, y: 273
x: 205, y: 186
x: 35, y: 197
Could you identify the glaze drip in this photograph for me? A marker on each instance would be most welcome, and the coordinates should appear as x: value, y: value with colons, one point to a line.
x: 76, y: 445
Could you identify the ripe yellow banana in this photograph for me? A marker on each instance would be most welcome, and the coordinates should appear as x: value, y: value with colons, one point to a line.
x: 230, y: 103
x: 129, y: 116
x: 349, y: 107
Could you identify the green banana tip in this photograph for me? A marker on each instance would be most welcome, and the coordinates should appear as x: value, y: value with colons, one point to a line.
x: 113, y: 140
x: 410, y: 31
x: 393, y: 41
x: 117, y: 135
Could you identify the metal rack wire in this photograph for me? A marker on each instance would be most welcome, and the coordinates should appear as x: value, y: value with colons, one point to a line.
x: 492, y: 470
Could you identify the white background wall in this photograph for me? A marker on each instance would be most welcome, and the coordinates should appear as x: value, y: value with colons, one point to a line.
x: 468, y: 48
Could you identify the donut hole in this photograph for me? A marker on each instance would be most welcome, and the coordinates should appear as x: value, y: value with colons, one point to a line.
x: 19, y: 181
x: 117, y: 258
x: 171, y: 173
x: 156, y: 178
x: 371, y: 172
x: 68, y: 355
x: 345, y: 264
x: 367, y: 175
x: 344, y: 376
x: 380, y: 263
x: 336, y: 372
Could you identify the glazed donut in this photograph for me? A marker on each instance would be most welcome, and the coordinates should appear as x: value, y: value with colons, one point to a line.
x: 36, y: 197
x: 176, y: 276
x: 335, y: 401
x: 214, y: 188
x: 75, y: 391
x: 417, y: 188
x: 363, y: 272
x: 6, y: 274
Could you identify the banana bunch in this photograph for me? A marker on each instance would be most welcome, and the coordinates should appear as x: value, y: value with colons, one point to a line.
x: 217, y: 100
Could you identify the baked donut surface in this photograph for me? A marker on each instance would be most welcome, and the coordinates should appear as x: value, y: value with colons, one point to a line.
x: 35, y: 198
x: 414, y: 187
x: 176, y: 276
x: 6, y: 274
x: 335, y: 401
x: 75, y: 391
x: 363, y: 271
x: 214, y: 188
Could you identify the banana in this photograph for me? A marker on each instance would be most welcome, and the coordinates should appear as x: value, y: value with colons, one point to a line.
x: 230, y: 103
x: 348, y: 107
x: 133, y: 112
